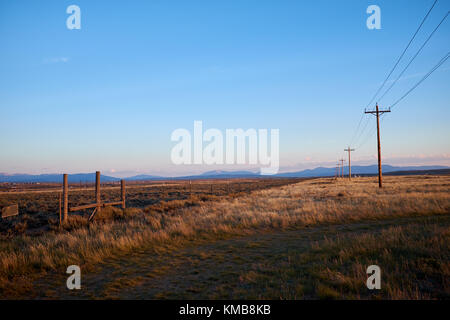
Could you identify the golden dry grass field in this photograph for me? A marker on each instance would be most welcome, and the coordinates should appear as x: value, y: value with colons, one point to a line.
x: 311, y: 239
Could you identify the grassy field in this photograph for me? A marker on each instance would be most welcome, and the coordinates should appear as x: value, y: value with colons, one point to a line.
x: 39, y: 204
x: 310, y: 240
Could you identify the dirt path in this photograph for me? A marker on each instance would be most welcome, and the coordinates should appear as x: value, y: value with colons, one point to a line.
x: 223, y: 269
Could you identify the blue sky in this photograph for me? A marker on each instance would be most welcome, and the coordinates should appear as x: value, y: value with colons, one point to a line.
x: 107, y: 97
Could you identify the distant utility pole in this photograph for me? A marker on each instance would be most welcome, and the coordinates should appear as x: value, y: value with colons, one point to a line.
x: 377, y: 113
x: 342, y: 166
x: 349, y: 162
x: 338, y: 169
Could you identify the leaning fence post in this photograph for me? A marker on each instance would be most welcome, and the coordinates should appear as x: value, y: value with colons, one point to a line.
x: 65, y: 197
x: 122, y: 189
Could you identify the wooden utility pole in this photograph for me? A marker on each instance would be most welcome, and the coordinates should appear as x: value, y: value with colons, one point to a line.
x: 65, y: 197
x: 342, y: 166
x: 338, y: 170
x: 349, y: 162
x: 377, y: 113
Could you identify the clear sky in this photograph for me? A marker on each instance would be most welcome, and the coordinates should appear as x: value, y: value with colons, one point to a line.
x: 108, y: 96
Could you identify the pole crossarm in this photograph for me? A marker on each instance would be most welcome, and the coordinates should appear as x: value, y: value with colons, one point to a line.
x: 375, y: 112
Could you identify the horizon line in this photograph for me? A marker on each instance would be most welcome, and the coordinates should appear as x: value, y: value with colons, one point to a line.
x: 245, y: 171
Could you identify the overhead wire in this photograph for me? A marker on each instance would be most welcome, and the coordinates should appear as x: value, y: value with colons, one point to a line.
x: 414, y: 57
x: 358, y: 134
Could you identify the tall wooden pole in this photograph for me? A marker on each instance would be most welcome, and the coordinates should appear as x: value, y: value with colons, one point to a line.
x: 349, y: 162
x: 342, y: 167
x: 122, y: 191
x: 377, y: 113
x: 65, y: 197
x: 98, y: 198
x: 380, y: 175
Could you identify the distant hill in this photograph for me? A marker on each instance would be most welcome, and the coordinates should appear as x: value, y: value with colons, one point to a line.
x: 356, y: 170
x: 144, y: 177
x: 219, y: 174
x: 308, y: 173
x: 228, y: 173
x: 47, y: 178
x: 414, y: 172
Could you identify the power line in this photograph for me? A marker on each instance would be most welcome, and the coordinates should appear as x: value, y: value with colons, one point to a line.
x: 403, y: 53
x: 363, y: 130
x: 372, y: 131
x: 380, y: 113
x: 367, y: 137
x: 357, y: 128
x: 412, y: 59
x: 423, y: 78
x: 387, y: 78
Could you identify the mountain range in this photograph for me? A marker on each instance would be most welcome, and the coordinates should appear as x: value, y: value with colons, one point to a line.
x: 47, y: 178
x: 217, y: 174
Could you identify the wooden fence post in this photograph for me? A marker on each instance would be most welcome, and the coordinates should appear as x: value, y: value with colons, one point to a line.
x: 65, y: 197
x: 60, y: 209
x: 97, y: 191
x: 122, y: 189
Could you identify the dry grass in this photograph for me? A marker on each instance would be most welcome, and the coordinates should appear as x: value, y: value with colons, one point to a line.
x: 39, y: 205
x: 414, y: 260
x: 307, y: 204
x: 413, y: 255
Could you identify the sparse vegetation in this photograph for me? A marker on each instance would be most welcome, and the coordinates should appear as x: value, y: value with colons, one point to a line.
x: 323, y: 234
x: 42, y: 204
